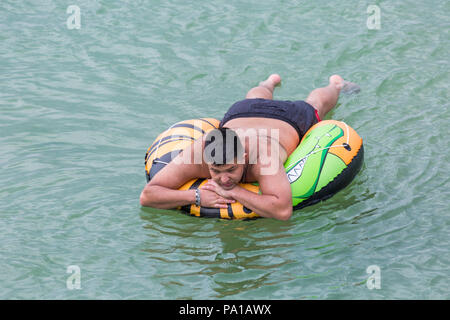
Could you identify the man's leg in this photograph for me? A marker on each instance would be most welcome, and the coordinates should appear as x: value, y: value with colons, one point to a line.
x: 324, y: 99
x: 265, y: 88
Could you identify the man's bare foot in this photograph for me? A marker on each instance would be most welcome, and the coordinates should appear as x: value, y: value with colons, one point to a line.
x: 271, y: 82
x: 265, y: 88
x: 344, y: 86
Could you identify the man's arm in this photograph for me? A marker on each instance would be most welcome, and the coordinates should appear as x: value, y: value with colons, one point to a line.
x: 162, y: 191
x: 275, y: 200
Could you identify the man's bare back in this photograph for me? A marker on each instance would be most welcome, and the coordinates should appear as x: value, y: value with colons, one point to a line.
x: 288, y: 138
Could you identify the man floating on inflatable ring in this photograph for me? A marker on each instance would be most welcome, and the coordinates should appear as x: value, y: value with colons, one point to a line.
x: 238, y: 151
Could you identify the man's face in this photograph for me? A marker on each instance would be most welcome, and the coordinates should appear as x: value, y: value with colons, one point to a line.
x: 228, y: 175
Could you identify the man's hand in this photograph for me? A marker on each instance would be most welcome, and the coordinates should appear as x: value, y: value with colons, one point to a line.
x: 213, y: 196
x: 274, y: 201
x: 211, y: 185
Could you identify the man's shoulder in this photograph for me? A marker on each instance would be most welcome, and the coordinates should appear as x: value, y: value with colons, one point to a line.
x: 266, y: 167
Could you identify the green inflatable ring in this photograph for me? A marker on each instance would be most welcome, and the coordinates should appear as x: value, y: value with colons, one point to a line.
x: 327, y: 159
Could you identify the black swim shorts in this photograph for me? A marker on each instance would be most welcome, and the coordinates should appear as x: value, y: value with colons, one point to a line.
x: 299, y: 114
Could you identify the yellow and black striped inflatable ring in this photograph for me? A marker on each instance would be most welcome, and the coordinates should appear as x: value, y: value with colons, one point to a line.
x: 327, y: 159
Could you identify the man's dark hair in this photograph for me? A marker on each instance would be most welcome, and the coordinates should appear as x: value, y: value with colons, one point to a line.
x: 222, y: 146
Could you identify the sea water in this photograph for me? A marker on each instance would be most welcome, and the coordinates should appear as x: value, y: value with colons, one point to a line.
x: 86, y: 86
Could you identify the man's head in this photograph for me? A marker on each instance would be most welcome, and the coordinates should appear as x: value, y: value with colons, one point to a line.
x: 225, y: 157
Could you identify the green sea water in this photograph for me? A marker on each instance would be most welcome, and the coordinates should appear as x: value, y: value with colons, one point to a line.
x: 80, y: 106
